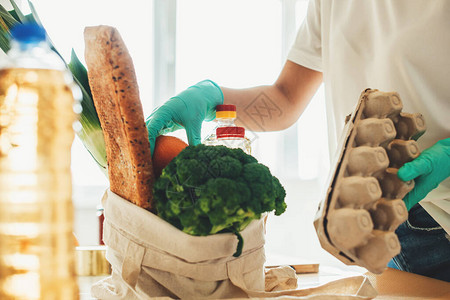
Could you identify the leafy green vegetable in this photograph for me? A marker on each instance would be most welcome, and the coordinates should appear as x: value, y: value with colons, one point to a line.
x: 91, y: 132
x: 214, y: 189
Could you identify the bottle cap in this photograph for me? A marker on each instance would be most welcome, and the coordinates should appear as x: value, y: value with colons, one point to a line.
x: 234, y: 131
x: 226, y: 107
x: 226, y: 111
x: 28, y: 33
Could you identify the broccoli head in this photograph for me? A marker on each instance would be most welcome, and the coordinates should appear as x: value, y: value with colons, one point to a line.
x: 214, y: 189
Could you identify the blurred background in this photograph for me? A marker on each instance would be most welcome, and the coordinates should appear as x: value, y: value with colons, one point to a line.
x: 236, y: 43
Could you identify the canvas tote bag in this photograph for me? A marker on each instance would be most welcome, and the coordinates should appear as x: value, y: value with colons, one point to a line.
x: 151, y: 259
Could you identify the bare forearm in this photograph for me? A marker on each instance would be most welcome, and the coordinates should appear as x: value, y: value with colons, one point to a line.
x: 261, y: 108
x: 278, y: 106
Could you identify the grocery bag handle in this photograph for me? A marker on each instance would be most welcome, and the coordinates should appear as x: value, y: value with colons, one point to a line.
x: 131, y: 266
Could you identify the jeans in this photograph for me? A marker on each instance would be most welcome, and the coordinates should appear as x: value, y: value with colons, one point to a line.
x: 425, y: 246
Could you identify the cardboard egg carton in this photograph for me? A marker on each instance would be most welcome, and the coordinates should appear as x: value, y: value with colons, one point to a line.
x: 363, y: 206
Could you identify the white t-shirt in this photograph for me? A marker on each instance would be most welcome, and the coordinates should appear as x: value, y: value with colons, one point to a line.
x: 389, y: 45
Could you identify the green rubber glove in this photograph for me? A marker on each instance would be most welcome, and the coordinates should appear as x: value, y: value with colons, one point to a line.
x: 428, y: 170
x: 186, y: 110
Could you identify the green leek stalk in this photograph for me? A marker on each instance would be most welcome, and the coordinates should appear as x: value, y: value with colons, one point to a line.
x: 91, y: 133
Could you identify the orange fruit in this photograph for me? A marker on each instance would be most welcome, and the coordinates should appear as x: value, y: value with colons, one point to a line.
x: 166, y: 148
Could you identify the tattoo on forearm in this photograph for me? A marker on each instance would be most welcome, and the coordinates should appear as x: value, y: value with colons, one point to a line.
x: 262, y: 110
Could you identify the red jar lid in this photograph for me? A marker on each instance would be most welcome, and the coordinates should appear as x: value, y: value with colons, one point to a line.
x: 226, y: 107
x: 224, y: 132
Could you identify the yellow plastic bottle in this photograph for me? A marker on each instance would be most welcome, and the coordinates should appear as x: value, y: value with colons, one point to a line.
x: 38, y: 105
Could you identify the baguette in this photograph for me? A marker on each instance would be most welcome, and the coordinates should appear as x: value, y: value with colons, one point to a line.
x: 116, y: 97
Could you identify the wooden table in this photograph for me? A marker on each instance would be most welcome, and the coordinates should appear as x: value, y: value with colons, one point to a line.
x: 395, y: 284
x: 391, y: 285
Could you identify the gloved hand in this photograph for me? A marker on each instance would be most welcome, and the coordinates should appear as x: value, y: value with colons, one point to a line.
x: 186, y: 110
x: 429, y: 169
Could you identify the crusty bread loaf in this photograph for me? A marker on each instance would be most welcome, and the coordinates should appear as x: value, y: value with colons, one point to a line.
x: 116, y: 97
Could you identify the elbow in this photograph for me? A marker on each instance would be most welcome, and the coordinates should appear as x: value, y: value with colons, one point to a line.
x: 289, y: 107
x: 289, y: 119
x: 295, y: 87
